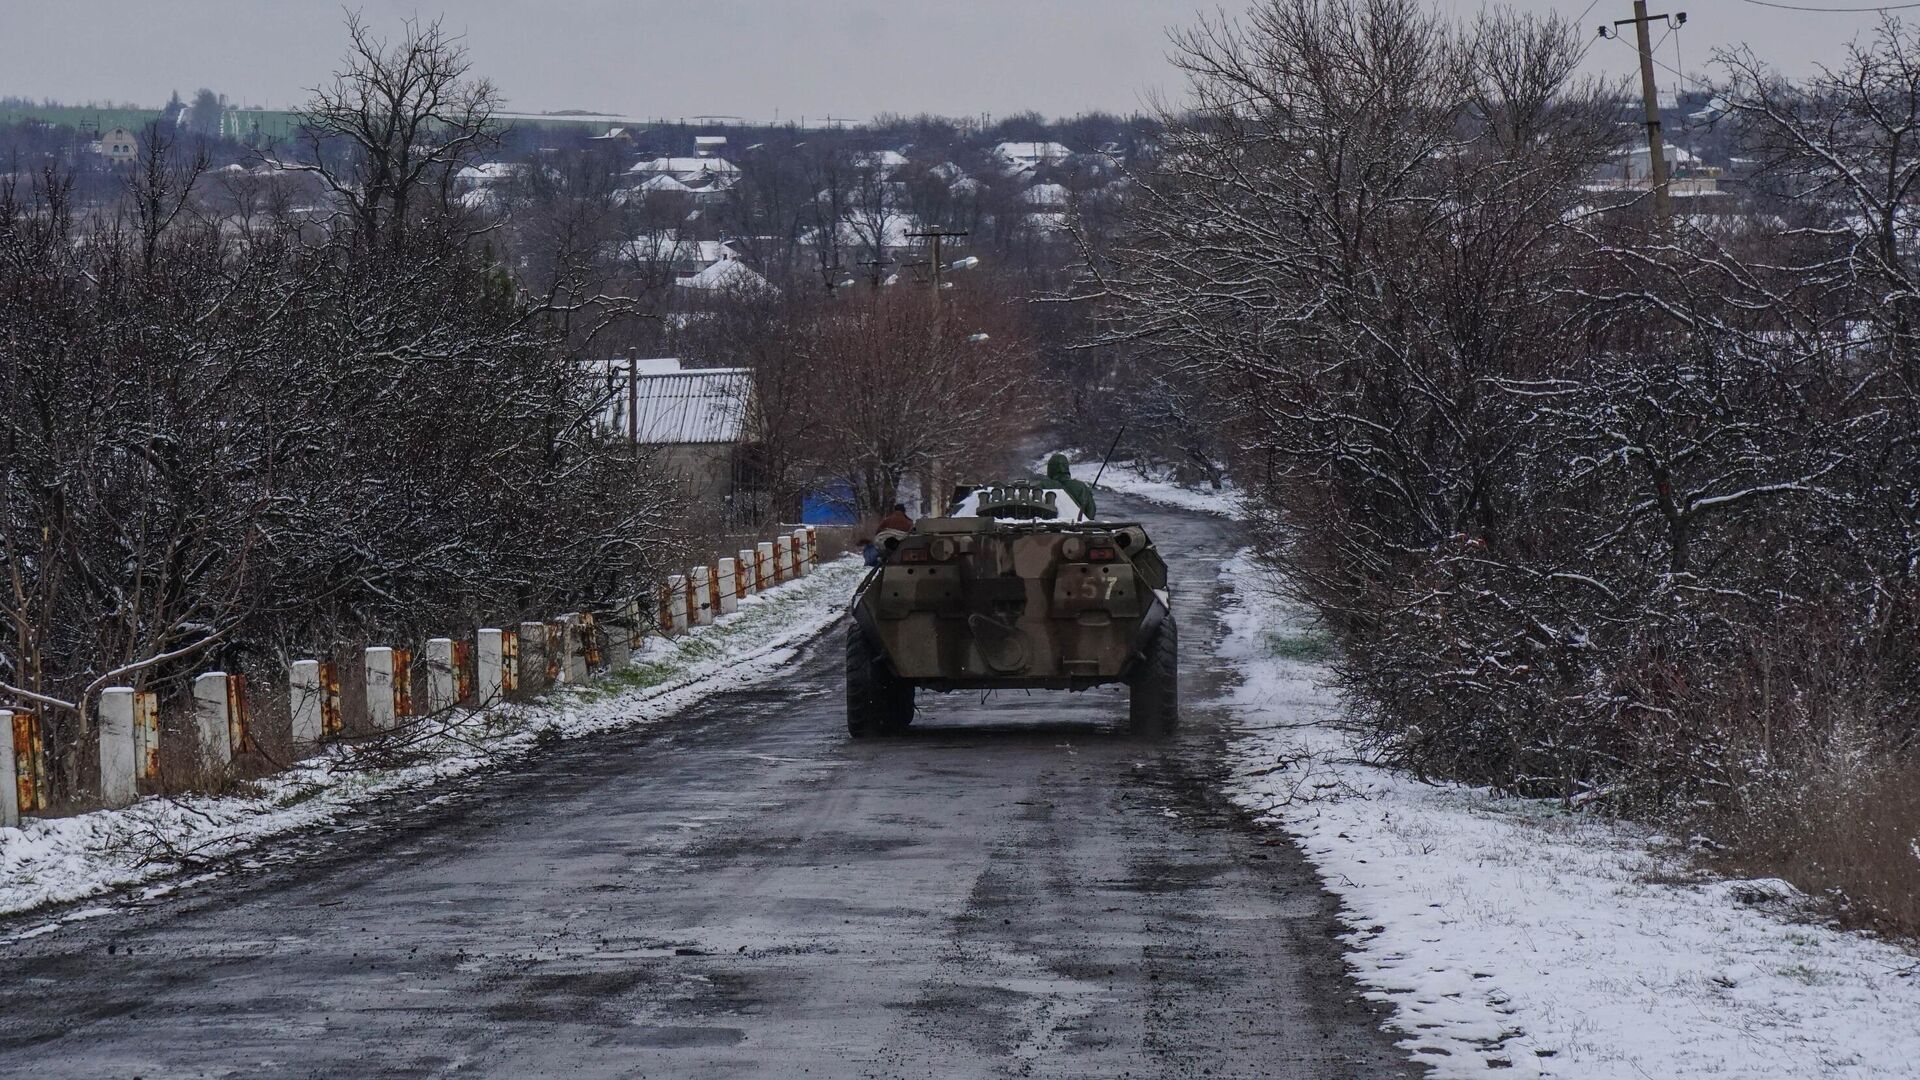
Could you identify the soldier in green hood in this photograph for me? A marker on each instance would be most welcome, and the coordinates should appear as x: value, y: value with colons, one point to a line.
x: 1062, y: 475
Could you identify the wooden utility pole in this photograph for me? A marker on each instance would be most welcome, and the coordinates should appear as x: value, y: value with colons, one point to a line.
x: 935, y: 235
x: 1650, y: 95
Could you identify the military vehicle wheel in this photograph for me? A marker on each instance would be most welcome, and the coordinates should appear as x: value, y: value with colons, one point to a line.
x: 878, y: 701
x: 1153, y: 700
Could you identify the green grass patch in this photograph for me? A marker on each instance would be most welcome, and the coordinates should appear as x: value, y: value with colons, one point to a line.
x: 1305, y: 646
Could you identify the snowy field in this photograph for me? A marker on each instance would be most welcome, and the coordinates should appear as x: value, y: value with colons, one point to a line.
x: 67, y: 859
x: 1514, y: 939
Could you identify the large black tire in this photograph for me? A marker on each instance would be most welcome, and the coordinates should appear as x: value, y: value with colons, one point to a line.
x: 1153, y: 700
x: 878, y: 701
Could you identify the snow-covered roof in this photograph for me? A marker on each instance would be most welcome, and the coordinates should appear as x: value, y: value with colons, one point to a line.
x: 726, y: 274
x: 666, y: 183
x: 684, y: 165
x: 678, y: 407
x: 1045, y: 195
x: 1030, y: 154
x: 886, y: 160
x: 490, y: 172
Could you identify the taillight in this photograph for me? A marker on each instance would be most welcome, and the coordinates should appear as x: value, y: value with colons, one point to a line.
x: 1101, y: 554
x: 914, y: 555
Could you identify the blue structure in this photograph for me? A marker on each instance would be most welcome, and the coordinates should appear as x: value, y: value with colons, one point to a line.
x: 830, y: 505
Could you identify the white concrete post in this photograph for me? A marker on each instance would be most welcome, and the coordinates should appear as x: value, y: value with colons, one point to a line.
x: 763, y: 578
x: 801, y: 564
x: 489, y: 684
x: 745, y: 557
x: 440, y: 691
x: 729, y: 584
x: 813, y: 547
x: 304, y: 697
x: 533, y: 656
x: 116, y: 746
x: 212, y: 716
x: 677, y: 588
x: 783, y: 559
x: 379, y: 668
x: 573, y: 649
x: 702, y: 595
x: 9, y: 778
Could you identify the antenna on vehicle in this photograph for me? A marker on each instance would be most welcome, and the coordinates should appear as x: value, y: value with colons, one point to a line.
x: 1111, y: 447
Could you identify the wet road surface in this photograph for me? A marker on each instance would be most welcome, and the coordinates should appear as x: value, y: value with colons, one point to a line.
x: 1015, y: 888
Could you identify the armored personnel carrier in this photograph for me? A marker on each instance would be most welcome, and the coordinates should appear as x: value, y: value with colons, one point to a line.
x: 1012, y: 589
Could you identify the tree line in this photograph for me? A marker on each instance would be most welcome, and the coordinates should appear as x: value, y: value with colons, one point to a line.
x: 1601, y: 507
x: 228, y: 440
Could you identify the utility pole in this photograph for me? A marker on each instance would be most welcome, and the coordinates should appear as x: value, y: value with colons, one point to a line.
x: 935, y: 235
x: 1650, y: 96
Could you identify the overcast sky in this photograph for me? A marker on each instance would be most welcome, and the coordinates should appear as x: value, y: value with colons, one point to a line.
x: 749, y: 58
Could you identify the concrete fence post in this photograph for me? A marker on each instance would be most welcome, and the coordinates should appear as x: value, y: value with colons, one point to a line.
x: 701, y: 606
x: 677, y: 588
x: 116, y: 746
x: 533, y: 656
x: 379, y: 668
x: 213, y: 717
x: 813, y: 547
x: 801, y: 564
x: 490, y: 668
x: 763, y: 578
x: 573, y: 648
x: 782, y: 559
x: 9, y: 774
x: 729, y: 586
x: 743, y: 566
x: 441, y: 694
x: 664, y: 601
x: 305, y: 700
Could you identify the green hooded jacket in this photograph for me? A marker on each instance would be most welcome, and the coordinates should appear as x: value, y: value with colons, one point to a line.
x: 1062, y: 475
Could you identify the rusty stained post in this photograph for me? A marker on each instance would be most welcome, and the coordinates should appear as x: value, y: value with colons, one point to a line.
x: 509, y: 662
x: 211, y: 720
x: 26, y: 765
x: 239, y: 720
x: 666, y: 607
x: 304, y: 702
x: 801, y: 564
x: 117, y: 755
x: 763, y: 578
x: 403, y: 683
x: 590, y: 642
x: 146, y: 735
x: 813, y: 547
x: 782, y: 559
x: 462, y: 671
x: 743, y: 566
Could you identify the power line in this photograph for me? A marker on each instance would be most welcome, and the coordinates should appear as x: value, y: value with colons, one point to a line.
x: 1829, y: 10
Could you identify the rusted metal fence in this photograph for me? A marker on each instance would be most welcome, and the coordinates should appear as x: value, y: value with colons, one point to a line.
x: 476, y: 674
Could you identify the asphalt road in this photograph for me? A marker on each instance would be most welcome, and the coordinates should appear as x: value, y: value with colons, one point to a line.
x: 1013, y: 889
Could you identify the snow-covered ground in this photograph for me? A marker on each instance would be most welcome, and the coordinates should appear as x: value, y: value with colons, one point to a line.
x: 1514, y: 939
x: 66, y: 859
x: 1130, y: 479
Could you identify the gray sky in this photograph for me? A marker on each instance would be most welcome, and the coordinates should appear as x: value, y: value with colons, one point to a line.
x: 849, y: 58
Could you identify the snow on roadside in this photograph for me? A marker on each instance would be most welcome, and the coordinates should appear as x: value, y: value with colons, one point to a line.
x: 1140, y: 481
x: 65, y: 859
x: 1514, y: 939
